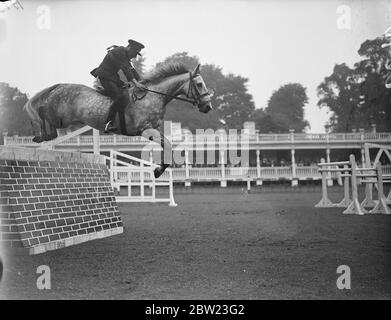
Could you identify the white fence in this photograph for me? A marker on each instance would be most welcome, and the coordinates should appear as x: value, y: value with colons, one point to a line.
x: 208, y: 174
x: 134, y: 180
x: 261, y: 139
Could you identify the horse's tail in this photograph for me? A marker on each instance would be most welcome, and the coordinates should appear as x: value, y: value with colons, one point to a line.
x: 31, y: 111
x: 34, y: 108
x: 35, y: 102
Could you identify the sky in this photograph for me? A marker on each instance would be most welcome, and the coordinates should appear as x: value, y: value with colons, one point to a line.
x: 271, y: 43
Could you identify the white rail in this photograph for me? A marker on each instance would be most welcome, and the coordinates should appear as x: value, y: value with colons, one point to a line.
x: 136, y: 176
x: 86, y: 140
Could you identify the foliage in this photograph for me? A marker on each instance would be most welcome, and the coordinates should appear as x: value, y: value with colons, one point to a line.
x: 357, y: 96
x: 231, y: 101
x: 285, y: 110
x: 13, y: 119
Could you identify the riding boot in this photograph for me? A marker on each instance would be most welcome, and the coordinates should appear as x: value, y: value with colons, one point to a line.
x: 130, y: 127
x: 114, y: 108
x: 131, y: 124
x: 122, y: 122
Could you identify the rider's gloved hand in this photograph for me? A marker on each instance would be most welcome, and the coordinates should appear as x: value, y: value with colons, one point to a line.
x: 127, y: 85
x: 139, y: 85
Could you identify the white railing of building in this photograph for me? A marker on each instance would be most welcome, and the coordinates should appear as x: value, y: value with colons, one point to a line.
x: 209, y: 173
x: 87, y: 140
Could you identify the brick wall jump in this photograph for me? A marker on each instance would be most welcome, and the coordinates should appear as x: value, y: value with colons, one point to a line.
x: 51, y: 199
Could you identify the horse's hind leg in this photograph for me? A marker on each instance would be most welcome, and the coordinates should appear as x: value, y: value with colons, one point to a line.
x: 36, y: 125
x: 48, y: 128
x: 42, y: 115
x: 36, y: 122
x: 37, y: 132
x: 45, y: 135
x: 52, y: 132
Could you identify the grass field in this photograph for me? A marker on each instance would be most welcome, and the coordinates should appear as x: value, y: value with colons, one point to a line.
x: 219, y: 245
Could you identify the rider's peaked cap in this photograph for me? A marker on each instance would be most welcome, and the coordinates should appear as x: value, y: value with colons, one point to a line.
x: 136, y: 45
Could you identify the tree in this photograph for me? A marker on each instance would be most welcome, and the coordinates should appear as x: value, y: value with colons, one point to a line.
x: 266, y: 123
x: 13, y: 119
x: 340, y: 92
x: 139, y: 64
x: 357, y: 96
x: 231, y: 101
x: 375, y: 97
x: 285, y: 110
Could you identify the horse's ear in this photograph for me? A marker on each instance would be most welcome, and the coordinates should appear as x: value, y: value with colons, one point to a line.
x: 197, y: 69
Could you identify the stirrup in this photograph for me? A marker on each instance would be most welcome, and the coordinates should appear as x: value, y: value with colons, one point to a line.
x: 107, y: 126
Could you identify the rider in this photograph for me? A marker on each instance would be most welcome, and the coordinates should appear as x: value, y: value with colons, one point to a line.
x: 118, y: 58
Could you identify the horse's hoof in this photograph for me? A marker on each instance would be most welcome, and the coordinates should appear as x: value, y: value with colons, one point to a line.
x: 157, y: 172
x: 47, y: 138
x: 38, y: 139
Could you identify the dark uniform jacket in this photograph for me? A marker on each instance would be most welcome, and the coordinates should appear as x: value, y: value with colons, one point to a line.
x: 115, y: 60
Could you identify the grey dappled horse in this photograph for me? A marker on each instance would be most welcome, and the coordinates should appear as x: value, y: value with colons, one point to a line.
x: 62, y: 105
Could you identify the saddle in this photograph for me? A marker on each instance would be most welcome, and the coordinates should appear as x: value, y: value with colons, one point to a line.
x: 137, y: 94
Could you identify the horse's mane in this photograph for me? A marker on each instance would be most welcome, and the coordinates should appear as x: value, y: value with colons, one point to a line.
x: 165, y: 70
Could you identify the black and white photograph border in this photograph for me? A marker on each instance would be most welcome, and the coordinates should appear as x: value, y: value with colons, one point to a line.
x: 195, y: 150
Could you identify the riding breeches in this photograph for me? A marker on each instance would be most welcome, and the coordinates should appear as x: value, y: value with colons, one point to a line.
x: 120, y: 97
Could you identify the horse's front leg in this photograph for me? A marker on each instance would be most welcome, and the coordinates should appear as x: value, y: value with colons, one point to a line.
x: 166, y: 158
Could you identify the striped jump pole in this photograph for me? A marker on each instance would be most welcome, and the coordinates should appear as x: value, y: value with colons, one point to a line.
x: 354, y: 206
x: 344, y: 172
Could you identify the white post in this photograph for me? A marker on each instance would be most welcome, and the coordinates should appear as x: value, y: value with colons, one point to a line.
x: 187, y: 168
x: 325, y: 201
x: 96, y: 142
x: 327, y: 155
x: 368, y: 201
x: 355, y: 206
x: 258, y: 180
x: 5, y: 135
x: 153, y: 186
x: 329, y: 179
x: 346, y: 199
x: 151, y: 156
x: 361, y: 130
x: 142, y: 180
x: 362, y: 157
x: 223, y: 182
x: 292, y: 134
x: 115, y: 176
x: 171, y: 187
x: 295, y: 181
x: 111, y: 167
x: 381, y: 204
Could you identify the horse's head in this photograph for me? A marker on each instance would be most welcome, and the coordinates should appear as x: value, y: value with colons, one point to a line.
x: 198, y: 92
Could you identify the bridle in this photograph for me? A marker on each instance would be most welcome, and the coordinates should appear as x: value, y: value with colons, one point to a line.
x: 193, y: 88
x: 193, y: 95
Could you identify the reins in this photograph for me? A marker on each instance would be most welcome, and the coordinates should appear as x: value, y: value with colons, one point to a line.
x: 192, y: 101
